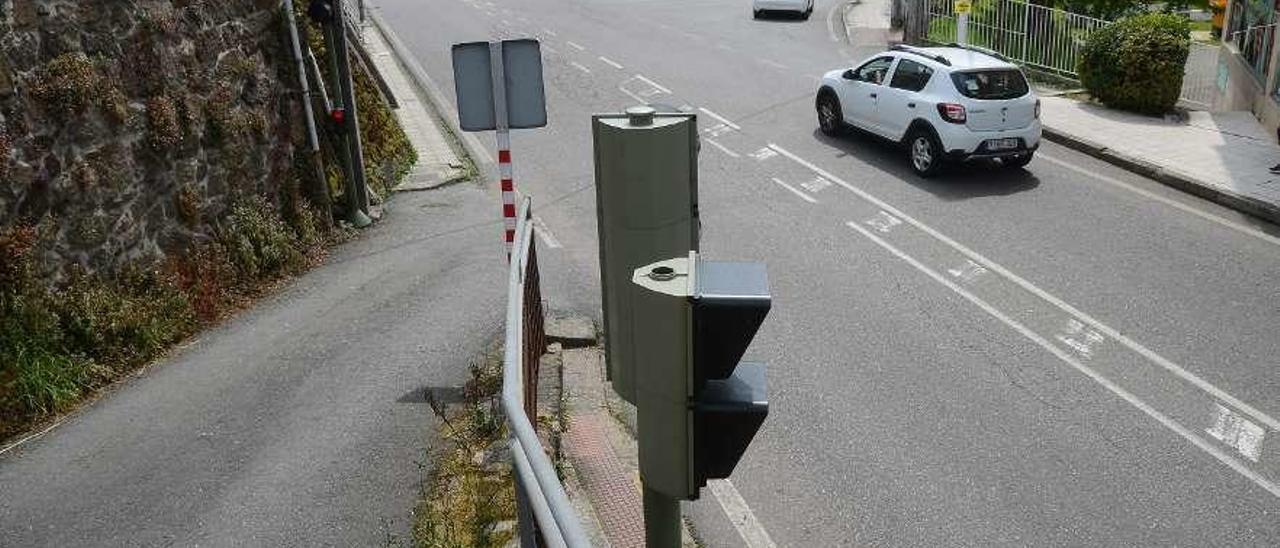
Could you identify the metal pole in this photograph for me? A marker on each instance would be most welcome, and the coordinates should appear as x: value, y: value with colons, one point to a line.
x: 661, y: 520
x: 503, y: 134
x: 962, y: 29
x: 320, y: 190
x: 358, y: 195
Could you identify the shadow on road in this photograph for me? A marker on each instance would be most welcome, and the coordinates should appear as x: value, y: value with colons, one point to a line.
x: 958, y: 182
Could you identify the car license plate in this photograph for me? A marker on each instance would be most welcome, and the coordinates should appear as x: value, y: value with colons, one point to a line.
x: 1002, y: 144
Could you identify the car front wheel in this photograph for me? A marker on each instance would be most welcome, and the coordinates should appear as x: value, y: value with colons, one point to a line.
x: 830, y: 117
x: 925, y: 153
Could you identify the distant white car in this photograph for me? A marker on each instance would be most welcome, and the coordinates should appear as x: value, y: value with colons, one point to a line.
x: 946, y: 104
x: 802, y: 7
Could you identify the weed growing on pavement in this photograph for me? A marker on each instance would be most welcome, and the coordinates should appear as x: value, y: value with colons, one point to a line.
x: 469, y: 496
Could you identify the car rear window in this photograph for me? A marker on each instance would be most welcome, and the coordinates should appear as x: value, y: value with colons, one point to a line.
x: 991, y: 84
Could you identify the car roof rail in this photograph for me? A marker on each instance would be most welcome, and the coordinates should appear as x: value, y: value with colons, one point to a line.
x: 982, y: 50
x: 917, y: 51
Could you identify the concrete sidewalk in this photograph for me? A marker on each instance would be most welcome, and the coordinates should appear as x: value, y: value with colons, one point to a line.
x: 1220, y: 156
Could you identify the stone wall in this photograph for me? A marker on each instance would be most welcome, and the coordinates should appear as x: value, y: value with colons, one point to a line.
x: 128, y: 128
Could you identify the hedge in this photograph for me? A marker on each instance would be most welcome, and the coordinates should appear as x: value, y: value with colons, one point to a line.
x: 1137, y: 63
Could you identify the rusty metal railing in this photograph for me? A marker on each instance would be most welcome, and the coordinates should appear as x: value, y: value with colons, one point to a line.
x: 546, y: 517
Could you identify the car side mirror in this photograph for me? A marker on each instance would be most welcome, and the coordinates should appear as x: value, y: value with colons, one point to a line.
x: 849, y: 75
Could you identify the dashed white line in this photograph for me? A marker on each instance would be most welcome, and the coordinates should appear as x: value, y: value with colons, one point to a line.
x: 1033, y: 289
x: 795, y: 191
x: 1232, y: 462
x: 721, y: 119
x: 1167, y: 201
x: 575, y: 45
x: 549, y: 32
x: 773, y: 64
x: 740, y: 515
x: 580, y: 67
x: 654, y: 84
x: 722, y: 148
x: 544, y: 233
x: 610, y: 62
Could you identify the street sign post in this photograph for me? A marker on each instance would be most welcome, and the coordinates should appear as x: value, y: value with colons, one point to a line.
x: 962, y: 9
x: 499, y: 87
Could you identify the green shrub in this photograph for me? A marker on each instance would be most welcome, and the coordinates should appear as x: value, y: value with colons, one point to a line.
x: 261, y: 244
x: 1137, y: 62
x: 123, y: 321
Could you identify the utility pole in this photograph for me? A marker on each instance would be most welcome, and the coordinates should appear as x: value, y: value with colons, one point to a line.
x: 344, y: 115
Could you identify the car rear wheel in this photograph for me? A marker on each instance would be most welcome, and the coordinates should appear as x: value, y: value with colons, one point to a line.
x: 925, y: 153
x: 756, y: 14
x: 1018, y: 161
x: 830, y: 117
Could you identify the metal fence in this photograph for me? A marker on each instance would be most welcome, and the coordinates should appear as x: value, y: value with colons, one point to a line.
x: 546, y: 517
x: 1041, y: 37
x: 1047, y: 39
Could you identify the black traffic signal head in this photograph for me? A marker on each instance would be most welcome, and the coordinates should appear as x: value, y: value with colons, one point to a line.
x: 729, y: 401
x: 729, y: 304
x: 321, y: 11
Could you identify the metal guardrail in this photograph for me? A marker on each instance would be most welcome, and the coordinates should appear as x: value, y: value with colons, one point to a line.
x: 540, y: 495
x: 1044, y: 38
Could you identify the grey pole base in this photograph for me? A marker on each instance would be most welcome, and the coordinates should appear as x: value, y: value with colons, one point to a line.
x: 661, y: 520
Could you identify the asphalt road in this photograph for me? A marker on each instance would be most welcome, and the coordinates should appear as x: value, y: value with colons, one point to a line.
x: 1067, y: 355
x: 302, y: 422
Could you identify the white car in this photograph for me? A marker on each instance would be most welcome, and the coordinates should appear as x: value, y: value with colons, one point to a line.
x: 802, y: 7
x: 945, y: 104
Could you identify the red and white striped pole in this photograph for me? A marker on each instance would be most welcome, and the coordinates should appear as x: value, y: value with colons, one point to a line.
x: 503, y: 130
x: 508, y: 188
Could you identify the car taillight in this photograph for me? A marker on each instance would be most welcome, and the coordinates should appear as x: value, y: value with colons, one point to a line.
x: 1037, y: 109
x: 952, y: 112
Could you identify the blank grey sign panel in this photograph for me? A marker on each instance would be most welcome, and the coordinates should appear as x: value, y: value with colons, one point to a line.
x: 526, y: 101
x: 474, y: 86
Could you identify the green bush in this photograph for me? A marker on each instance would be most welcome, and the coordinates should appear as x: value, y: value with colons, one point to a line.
x: 1137, y: 62
x: 262, y: 246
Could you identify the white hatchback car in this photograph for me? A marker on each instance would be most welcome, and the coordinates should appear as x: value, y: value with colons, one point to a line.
x: 802, y: 7
x: 946, y: 104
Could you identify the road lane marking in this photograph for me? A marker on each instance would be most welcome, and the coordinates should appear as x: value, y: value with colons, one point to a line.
x: 1243, y: 229
x: 720, y: 119
x: 718, y: 130
x: 505, y: 23
x: 816, y: 185
x: 968, y: 272
x: 575, y: 45
x: 652, y: 83
x: 763, y: 154
x: 740, y: 515
x: 795, y: 191
x: 773, y: 64
x: 610, y: 62
x: 1232, y: 462
x: 550, y: 49
x: 722, y: 148
x: 549, y: 32
x: 1237, y: 432
x: 1024, y: 284
x: 544, y: 233
x: 579, y: 66
x: 724, y: 47
x: 1079, y: 337
x: 883, y: 222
